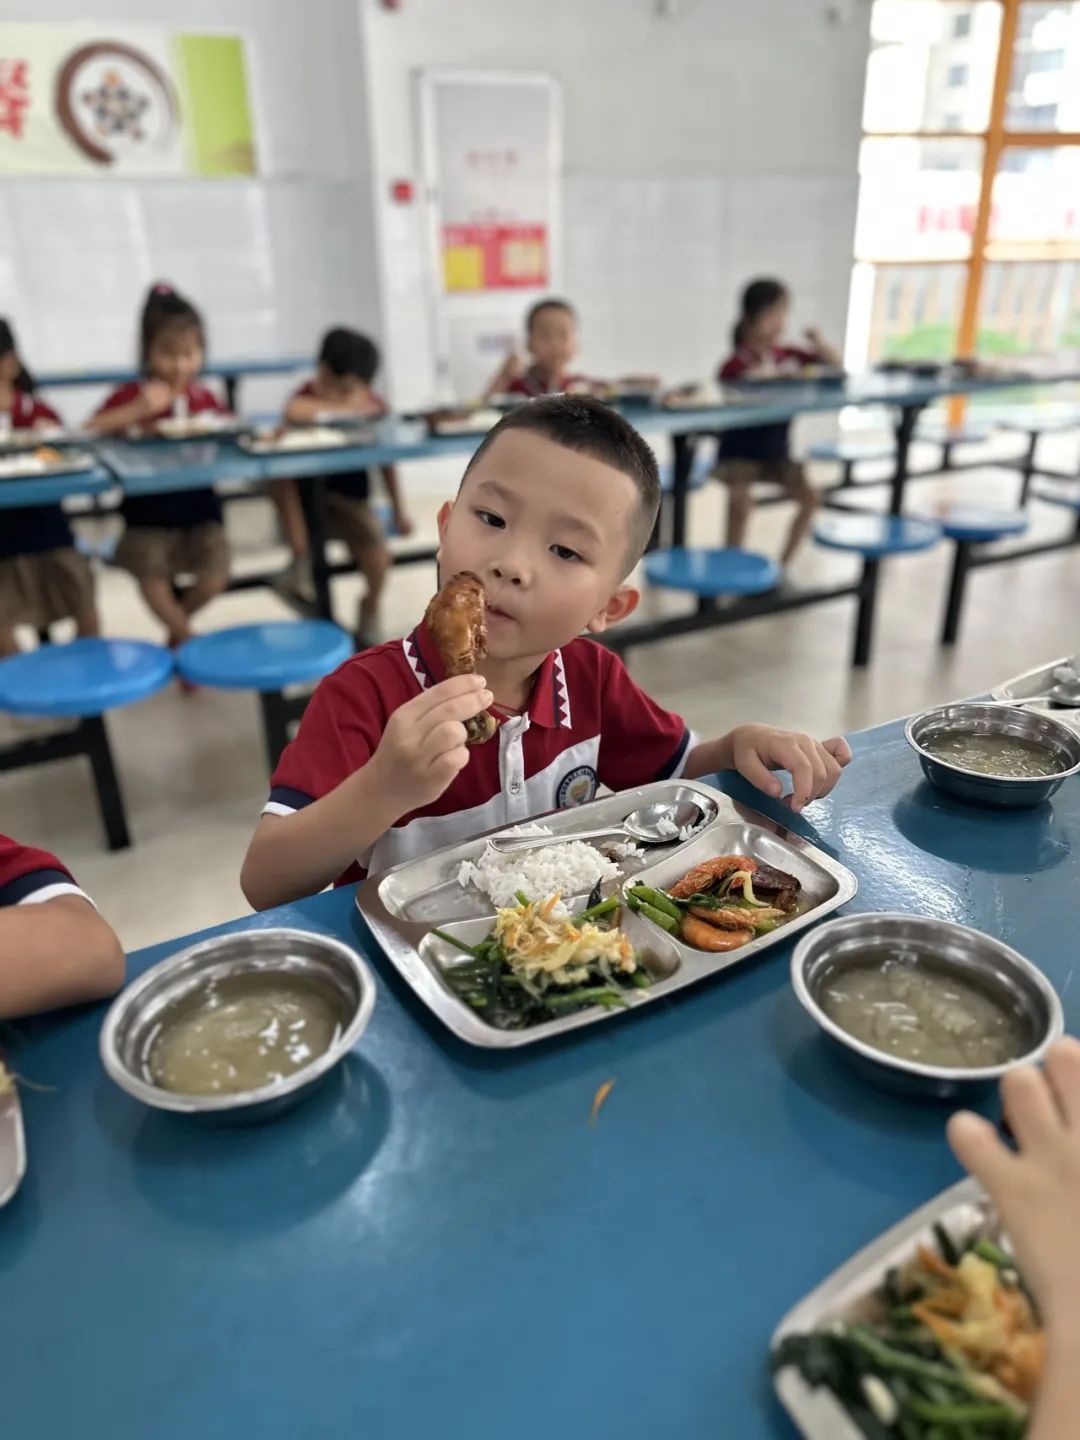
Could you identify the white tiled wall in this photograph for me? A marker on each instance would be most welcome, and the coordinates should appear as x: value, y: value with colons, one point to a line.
x: 271, y: 261
x: 699, y: 150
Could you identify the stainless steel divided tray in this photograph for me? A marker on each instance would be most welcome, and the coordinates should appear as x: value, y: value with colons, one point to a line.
x: 404, y: 904
x: 963, y: 1209
x: 1035, y: 682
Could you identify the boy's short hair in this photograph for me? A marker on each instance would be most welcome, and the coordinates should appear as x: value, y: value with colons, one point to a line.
x: 551, y: 303
x: 347, y: 352
x: 584, y: 424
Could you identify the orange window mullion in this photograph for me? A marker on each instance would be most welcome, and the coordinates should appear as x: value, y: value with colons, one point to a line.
x: 995, y: 134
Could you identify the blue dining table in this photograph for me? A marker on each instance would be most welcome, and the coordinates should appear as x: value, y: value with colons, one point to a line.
x: 19, y: 492
x: 440, y: 1243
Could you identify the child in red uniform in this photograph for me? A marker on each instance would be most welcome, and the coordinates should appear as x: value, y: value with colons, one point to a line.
x: 55, y: 949
x: 763, y: 451
x: 551, y: 335
x: 344, y: 375
x: 555, y: 510
x: 43, y: 578
x: 171, y: 534
x: 1035, y: 1190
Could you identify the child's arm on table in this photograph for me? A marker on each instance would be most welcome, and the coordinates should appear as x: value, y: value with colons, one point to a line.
x: 421, y: 751
x: 510, y: 370
x: 306, y: 409
x: 54, y: 953
x: 155, y: 397
x: 826, y: 353
x: 1036, y: 1192
x: 757, y: 750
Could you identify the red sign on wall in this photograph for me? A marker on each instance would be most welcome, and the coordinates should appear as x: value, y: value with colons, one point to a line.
x: 494, y: 257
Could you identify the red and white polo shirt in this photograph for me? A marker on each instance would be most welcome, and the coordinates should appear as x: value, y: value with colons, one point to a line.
x: 587, y: 724
x: 27, y: 411
x: 29, y: 876
x: 182, y: 509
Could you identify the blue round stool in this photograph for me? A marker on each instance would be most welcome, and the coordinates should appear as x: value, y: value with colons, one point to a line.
x: 979, y: 524
x: 710, y: 574
x: 1034, y: 421
x: 267, y: 658
x: 84, y: 678
x: 849, y: 453
x: 700, y: 471
x: 969, y: 526
x: 875, y: 538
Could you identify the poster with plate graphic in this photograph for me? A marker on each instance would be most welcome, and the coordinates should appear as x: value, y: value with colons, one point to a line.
x: 82, y: 99
x: 492, y: 171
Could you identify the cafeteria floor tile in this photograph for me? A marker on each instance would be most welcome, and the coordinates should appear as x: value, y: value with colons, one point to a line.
x: 192, y: 766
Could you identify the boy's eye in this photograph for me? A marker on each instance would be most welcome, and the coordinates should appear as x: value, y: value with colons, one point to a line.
x: 488, y: 517
x: 564, y: 553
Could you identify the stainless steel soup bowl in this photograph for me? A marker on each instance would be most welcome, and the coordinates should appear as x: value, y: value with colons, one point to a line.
x: 133, y: 1019
x: 973, y: 718
x: 1002, y: 973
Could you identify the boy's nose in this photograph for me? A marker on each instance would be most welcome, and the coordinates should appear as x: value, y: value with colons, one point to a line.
x: 509, y: 571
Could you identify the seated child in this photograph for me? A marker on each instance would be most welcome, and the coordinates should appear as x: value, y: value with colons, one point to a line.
x: 343, y: 380
x: 551, y: 337
x: 1035, y: 1190
x: 763, y: 452
x: 43, y: 578
x: 553, y: 514
x: 181, y: 533
x: 55, y: 949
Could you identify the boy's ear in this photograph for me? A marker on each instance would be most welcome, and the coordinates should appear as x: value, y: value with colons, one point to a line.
x: 446, y: 509
x: 623, y: 603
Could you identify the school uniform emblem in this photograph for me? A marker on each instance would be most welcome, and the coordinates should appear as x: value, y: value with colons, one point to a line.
x: 577, y: 787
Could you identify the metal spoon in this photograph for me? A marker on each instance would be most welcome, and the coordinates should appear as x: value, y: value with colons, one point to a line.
x: 1065, y: 694
x: 651, y: 825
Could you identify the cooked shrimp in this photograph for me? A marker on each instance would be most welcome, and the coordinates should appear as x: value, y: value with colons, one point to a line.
x: 708, y: 937
x: 702, y: 877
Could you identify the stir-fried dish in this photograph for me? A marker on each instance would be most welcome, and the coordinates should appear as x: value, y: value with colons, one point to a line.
x: 539, y: 963
x: 722, y: 903
x: 949, y: 1345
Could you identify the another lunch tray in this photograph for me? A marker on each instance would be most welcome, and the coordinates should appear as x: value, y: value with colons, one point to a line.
x: 71, y: 462
x: 817, y: 1413
x: 402, y: 905
x: 260, y: 445
x: 12, y: 1145
x: 1036, y: 682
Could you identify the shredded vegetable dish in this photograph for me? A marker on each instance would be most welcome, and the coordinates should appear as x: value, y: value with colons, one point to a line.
x: 539, y: 963
x: 950, y: 1345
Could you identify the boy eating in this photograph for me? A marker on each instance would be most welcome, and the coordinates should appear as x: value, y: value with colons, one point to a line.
x: 551, y: 336
x: 553, y: 514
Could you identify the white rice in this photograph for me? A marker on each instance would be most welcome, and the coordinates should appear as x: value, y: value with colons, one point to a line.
x: 569, y: 866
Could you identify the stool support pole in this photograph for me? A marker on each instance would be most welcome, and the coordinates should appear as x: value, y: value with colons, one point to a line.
x: 682, y: 462
x: 950, y: 628
x: 278, y: 713
x: 106, y: 782
x: 864, y: 619
x: 1027, y: 468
